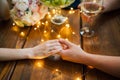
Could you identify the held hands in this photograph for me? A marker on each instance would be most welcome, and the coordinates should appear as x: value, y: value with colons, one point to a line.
x: 67, y: 50
x: 45, y: 49
x: 71, y: 52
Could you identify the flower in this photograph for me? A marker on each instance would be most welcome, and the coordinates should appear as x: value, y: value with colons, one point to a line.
x: 27, y: 12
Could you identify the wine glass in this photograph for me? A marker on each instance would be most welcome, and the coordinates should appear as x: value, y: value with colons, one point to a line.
x: 89, y: 9
x: 57, y: 5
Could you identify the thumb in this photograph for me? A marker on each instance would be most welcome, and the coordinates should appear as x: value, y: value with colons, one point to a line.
x: 65, y: 42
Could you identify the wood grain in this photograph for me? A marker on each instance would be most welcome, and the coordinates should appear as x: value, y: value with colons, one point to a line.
x: 105, y: 42
x: 49, y: 68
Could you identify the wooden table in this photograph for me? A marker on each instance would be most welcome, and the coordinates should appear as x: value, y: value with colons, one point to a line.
x: 105, y: 42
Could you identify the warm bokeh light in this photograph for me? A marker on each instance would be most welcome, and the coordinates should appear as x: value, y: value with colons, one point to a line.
x: 73, y: 33
x: 22, y: 34
x: 71, y: 11
x: 35, y: 29
x: 53, y: 11
x: 13, y: 24
x: 15, y: 28
x: 45, y: 31
x: 43, y: 23
x: 67, y: 39
x: 67, y: 25
x: 42, y: 40
x: 39, y: 63
x: 78, y: 78
x: 52, y: 30
x: 58, y: 36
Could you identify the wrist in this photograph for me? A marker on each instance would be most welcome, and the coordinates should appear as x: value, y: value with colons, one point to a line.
x: 28, y: 53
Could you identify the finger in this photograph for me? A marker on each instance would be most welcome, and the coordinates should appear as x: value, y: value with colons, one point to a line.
x: 65, y: 42
x: 52, y: 41
x: 55, y: 44
x: 53, y: 52
x: 55, y: 48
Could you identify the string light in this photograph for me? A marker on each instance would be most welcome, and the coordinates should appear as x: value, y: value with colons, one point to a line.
x: 58, y: 36
x: 43, y: 23
x: 15, y: 28
x: 42, y: 40
x: 22, y: 34
x: 35, y: 29
x: 39, y: 63
x: 45, y: 31
x: 71, y: 11
x: 78, y: 78
x: 67, y: 25
x: 52, y: 30
x: 13, y: 24
x: 67, y: 39
x: 73, y: 33
x: 53, y: 11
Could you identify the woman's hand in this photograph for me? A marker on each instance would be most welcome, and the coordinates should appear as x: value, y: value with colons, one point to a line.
x: 71, y: 52
x: 45, y: 49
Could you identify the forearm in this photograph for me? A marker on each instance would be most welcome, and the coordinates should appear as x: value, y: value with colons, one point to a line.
x: 14, y: 54
x: 110, y: 5
x: 108, y: 64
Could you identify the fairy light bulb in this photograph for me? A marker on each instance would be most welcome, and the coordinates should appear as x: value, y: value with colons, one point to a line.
x: 39, y: 63
x: 52, y: 30
x: 67, y: 25
x: 58, y: 36
x: 71, y: 11
x: 53, y: 11
x: 67, y: 39
x: 22, y: 34
x: 42, y: 40
x: 43, y: 23
x: 73, y: 33
x: 46, y: 23
x: 45, y: 31
x: 78, y: 78
x: 13, y: 24
x: 15, y: 28
x: 35, y: 29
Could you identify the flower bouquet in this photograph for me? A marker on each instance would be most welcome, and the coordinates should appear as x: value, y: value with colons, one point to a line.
x: 27, y: 12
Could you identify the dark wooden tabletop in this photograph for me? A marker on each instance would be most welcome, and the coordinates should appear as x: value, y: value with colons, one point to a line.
x: 105, y: 42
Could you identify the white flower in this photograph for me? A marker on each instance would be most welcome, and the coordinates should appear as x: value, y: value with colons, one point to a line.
x: 21, y: 6
x: 27, y: 12
x: 20, y: 1
x: 35, y: 17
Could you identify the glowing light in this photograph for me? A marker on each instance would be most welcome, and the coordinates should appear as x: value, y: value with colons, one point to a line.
x: 94, y: 1
x: 67, y: 39
x: 35, y: 29
x: 43, y: 23
x: 53, y: 11
x: 45, y: 31
x: 78, y: 78
x: 13, y: 24
x: 56, y: 70
x: 42, y: 40
x: 48, y: 13
x: 38, y: 24
x: 39, y: 63
x: 15, y: 28
x: 71, y: 11
x: 22, y: 34
x: 73, y: 33
x: 59, y: 36
x: 52, y: 30
x: 67, y: 25
x: 46, y: 23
